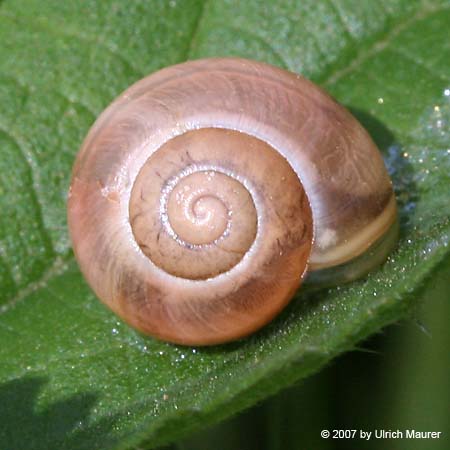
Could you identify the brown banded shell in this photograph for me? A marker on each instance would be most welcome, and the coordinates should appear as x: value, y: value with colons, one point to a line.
x: 204, y: 193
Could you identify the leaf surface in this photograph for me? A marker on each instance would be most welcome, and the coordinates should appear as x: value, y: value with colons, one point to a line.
x: 73, y: 376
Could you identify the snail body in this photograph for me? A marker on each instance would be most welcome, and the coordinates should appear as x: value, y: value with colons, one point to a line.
x: 203, y: 196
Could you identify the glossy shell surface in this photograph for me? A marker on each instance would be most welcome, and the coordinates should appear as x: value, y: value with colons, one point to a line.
x: 202, y: 195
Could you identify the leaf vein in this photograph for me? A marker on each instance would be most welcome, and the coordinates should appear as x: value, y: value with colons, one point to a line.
x: 195, y: 29
x: 341, y: 19
x: 402, y: 52
x: 31, y: 165
x: 43, y: 25
x: 57, y: 268
x: 252, y: 35
x: 378, y: 46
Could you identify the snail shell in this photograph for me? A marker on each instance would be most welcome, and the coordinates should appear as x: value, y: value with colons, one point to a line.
x: 204, y: 193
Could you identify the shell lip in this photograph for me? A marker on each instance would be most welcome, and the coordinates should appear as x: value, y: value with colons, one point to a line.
x: 373, y: 256
x: 353, y: 248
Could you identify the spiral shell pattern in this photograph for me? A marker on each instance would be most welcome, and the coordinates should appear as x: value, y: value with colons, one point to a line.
x: 193, y: 208
x: 203, y: 193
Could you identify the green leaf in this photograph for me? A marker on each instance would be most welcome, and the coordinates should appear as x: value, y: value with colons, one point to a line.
x: 73, y: 376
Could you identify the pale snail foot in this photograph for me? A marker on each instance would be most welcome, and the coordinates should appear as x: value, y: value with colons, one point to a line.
x: 205, y: 192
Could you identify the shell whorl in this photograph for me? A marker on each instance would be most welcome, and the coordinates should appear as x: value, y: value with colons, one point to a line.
x: 202, y: 202
x: 201, y: 195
